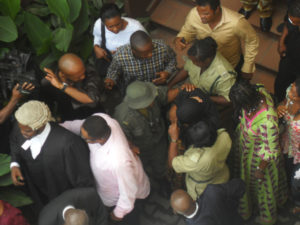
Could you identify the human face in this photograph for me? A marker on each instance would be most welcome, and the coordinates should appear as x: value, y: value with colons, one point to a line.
x: 206, y: 14
x: 144, y: 52
x: 27, y: 132
x: 293, y: 95
x: 294, y: 20
x: 115, y: 24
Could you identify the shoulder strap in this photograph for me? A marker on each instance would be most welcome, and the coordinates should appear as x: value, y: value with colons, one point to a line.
x: 213, y: 84
x: 103, y: 38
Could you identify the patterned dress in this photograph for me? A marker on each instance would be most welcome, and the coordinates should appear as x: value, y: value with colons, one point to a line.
x: 290, y: 139
x: 258, y: 139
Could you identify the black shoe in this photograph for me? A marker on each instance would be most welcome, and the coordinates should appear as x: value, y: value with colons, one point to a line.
x: 246, y: 14
x: 265, y: 24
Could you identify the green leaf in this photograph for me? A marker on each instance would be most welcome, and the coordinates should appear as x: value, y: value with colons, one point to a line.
x: 49, y: 60
x: 8, y: 29
x: 119, y: 3
x: 14, y: 196
x: 75, y: 6
x: 38, y: 10
x: 62, y: 38
x: 19, y: 19
x: 38, y: 33
x: 4, y: 164
x: 97, y: 4
x: 5, y: 180
x: 82, y: 23
x: 10, y: 8
x: 60, y: 8
x: 86, y: 47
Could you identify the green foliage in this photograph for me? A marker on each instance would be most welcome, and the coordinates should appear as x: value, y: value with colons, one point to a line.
x: 60, y: 8
x: 49, y: 28
x: 8, y: 30
x: 8, y: 192
x: 38, y: 33
x: 10, y: 8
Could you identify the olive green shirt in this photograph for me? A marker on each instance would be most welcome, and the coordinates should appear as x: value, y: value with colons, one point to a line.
x: 145, y: 131
x: 217, y: 79
x: 205, y: 165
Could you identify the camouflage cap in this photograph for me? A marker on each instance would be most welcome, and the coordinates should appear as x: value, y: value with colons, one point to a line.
x: 140, y: 94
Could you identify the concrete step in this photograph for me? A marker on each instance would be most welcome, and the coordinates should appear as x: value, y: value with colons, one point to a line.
x: 172, y: 14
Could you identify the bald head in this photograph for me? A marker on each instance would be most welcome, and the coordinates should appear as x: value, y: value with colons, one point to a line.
x: 76, y: 217
x: 71, y: 67
x: 182, y: 203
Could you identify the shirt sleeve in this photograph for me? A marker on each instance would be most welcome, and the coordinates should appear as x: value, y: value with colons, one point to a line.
x: 187, y: 30
x: 188, y: 162
x: 224, y: 85
x: 97, y: 32
x: 114, y: 70
x: 128, y: 188
x: 269, y: 147
x: 73, y: 126
x: 248, y: 36
x: 171, y: 62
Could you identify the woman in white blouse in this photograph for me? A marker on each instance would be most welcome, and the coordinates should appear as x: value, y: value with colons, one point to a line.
x: 110, y: 32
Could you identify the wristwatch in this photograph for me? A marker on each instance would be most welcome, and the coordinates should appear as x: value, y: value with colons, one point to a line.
x: 65, y: 85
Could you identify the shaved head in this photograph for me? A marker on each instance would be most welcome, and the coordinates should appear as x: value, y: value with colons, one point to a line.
x: 182, y: 203
x: 76, y: 217
x: 72, y: 67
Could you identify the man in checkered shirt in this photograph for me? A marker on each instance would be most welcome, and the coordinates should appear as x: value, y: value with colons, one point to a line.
x: 143, y: 59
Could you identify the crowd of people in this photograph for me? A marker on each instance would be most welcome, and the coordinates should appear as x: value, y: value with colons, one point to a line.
x: 98, y: 141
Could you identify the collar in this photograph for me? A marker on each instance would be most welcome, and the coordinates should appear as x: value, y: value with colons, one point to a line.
x: 194, y: 213
x: 36, y: 143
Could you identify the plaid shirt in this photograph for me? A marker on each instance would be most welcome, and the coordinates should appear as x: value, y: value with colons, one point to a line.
x: 125, y: 64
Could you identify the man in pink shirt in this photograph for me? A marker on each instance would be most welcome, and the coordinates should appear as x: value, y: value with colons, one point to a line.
x: 119, y: 174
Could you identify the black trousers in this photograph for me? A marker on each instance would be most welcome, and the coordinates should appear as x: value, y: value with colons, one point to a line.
x: 288, y: 72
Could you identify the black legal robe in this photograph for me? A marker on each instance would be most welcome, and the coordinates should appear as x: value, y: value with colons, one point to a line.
x: 218, y: 204
x: 81, y: 198
x: 62, y: 164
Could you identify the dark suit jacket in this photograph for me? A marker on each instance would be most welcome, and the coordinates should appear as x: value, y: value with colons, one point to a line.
x: 81, y: 198
x: 218, y: 204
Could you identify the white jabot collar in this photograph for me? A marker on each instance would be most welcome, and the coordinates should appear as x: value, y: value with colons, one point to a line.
x: 36, y: 143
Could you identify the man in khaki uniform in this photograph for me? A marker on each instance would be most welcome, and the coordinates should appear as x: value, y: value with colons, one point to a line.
x: 229, y: 29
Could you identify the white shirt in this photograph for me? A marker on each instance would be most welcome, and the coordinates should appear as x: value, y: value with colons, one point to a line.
x: 35, y: 144
x: 114, y: 41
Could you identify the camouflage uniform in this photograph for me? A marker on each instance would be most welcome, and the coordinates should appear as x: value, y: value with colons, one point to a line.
x: 146, y: 129
x: 265, y: 7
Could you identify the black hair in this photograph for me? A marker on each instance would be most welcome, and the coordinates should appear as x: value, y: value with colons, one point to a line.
x: 297, y: 84
x: 214, y: 4
x: 109, y: 11
x: 139, y: 39
x: 294, y: 8
x: 203, y: 49
x: 96, y: 127
x: 201, y: 135
x: 244, y: 95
